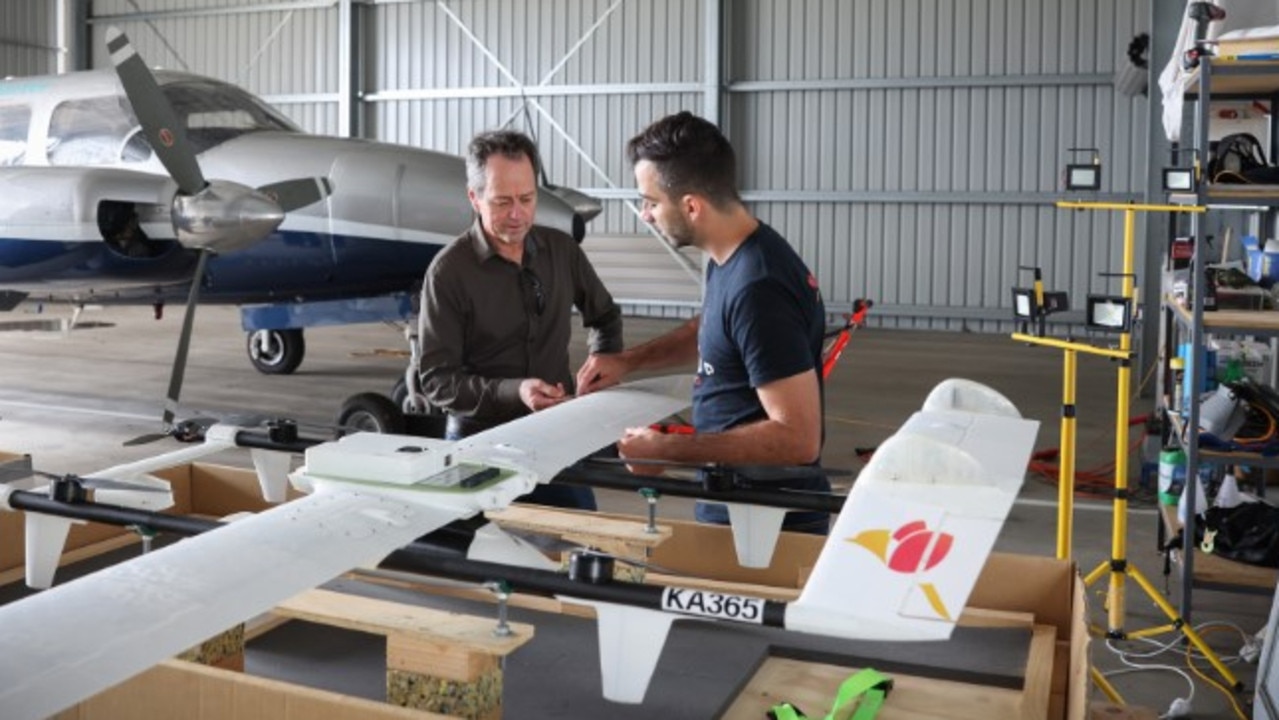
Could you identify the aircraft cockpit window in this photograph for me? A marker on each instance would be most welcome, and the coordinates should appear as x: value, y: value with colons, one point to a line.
x: 14, y: 121
x: 216, y: 112
x: 95, y: 131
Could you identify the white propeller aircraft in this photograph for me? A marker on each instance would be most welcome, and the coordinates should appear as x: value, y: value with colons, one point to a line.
x: 112, y: 183
x: 916, y: 529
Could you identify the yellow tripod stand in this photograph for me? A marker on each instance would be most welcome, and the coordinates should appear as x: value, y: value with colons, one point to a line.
x: 1117, y: 568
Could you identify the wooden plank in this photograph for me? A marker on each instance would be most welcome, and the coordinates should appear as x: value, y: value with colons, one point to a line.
x: 1037, y: 689
x: 422, y: 584
x: 437, y: 658
x: 561, y: 523
x: 381, y: 617
x: 981, y: 617
x: 176, y: 689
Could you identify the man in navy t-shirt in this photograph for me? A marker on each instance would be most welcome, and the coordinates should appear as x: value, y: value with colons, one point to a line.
x: 758, y: 340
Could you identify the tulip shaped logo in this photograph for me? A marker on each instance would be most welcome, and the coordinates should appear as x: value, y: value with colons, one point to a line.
x: 910, y: 549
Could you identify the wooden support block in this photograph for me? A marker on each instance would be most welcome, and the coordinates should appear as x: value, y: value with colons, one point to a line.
x: 382, y: 617
x: 225, y: 650
x: 438, y: 661
x: 478, y: 697
x: 562, y: 523
x: 623, y: 538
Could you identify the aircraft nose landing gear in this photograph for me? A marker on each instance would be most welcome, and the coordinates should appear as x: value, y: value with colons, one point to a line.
x: 276, y: 352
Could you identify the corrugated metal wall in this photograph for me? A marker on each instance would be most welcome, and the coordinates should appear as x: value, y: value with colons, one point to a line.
x: 908, y: 148
x: 28, y: 40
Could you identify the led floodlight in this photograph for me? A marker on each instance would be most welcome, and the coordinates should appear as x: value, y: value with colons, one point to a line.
x: 1084, y: 176
x: 1179, y: 179
x: 1109, y: 313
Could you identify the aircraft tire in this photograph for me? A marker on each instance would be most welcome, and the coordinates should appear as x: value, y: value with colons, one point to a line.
x: 370, y: 412
x: 284, y: 351
x: 400, y: 392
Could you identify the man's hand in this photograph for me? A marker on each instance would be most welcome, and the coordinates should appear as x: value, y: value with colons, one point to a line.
x: 599, y: 372
x: 539, y: 394
x: 641, y: 443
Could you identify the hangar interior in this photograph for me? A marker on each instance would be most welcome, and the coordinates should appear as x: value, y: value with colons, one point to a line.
x: 912, y: 153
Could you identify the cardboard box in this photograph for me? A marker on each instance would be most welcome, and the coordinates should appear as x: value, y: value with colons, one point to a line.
x: 1048, y: 588
x: 198, y: 489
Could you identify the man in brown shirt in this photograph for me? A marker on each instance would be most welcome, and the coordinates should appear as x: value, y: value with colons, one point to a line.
x: 497, y: 302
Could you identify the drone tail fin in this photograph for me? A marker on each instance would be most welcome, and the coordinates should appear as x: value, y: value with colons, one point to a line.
x: 920, y: 521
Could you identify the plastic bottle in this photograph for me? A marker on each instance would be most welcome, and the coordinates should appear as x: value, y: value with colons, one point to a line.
x: 1172, y: 475
x: 1178, y: 390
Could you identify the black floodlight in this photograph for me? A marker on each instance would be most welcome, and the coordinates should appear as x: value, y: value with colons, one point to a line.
x: 1084, y: 176
x: 1034, y: 304
x: 1109, y: 313
x: 1178, y: 179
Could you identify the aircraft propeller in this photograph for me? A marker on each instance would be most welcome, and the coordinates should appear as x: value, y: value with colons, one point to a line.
x: 208, y: 216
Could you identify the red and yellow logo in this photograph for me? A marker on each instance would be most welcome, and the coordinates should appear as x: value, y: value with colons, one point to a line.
x: 910, y: 549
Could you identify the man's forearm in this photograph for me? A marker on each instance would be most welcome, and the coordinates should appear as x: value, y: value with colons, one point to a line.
x: 766, y: 442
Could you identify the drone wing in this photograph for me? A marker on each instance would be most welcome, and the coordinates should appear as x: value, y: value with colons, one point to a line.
x: 74, y: 640
x: 82, y: 637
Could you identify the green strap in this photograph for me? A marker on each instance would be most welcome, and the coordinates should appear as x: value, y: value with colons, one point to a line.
x: 869, y: 685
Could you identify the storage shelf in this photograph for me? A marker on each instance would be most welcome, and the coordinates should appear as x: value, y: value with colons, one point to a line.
x: 1262, y: 322
x: 1256, y: 78
x: 1224, y: 196
x: 1218, y: 457
x: 1212, y: 571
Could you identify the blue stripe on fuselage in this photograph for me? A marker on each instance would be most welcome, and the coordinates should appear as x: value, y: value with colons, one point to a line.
x: 284, y: 266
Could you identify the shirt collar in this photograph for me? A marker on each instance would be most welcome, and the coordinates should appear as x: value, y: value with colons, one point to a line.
x: 484, y: 251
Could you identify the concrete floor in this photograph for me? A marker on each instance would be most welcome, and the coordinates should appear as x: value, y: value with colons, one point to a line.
x: 70, y: 399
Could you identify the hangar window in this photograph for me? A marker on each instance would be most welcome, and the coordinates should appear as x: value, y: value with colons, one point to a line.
x: 95, y: 131
x: 14, y: 120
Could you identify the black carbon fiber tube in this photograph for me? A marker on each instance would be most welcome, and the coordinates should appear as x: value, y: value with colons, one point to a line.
x: 110, y: 514
x: 615, y: 479
x: 420, y: 557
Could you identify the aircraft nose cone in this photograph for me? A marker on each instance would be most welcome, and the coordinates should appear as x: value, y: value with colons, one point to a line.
x: 224, y: 217
x: 258, y: 214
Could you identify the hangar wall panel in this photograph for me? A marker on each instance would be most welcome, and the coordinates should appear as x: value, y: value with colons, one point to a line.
x: 909, y: 148
x: 28, y: 39
x: 283, y: 52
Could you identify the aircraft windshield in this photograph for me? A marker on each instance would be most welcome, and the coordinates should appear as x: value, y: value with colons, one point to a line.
x: 104, y: 131
x: 216, y: 112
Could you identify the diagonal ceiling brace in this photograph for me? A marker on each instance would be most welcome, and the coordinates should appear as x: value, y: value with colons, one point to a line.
x: 686, y: 264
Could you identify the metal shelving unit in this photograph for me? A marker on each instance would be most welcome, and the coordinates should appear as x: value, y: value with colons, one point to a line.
x: 1249, y: 80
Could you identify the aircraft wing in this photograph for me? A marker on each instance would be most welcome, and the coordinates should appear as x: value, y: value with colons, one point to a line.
x: 917, y: 527
x: 544, y: 444
x: 68, y: 643
x: 65, y: 644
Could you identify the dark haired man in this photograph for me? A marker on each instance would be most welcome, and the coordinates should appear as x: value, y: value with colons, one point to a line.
x: 758, y: 340
x: 495, y: 320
